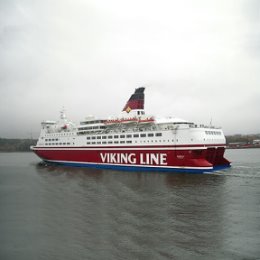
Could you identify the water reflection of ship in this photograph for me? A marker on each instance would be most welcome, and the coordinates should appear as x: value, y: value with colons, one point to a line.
x: 189, y: 180
x: 71, y: 172
x: 178, y: 214
x: 196, y: 211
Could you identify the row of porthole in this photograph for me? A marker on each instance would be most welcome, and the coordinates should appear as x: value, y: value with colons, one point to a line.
x: 115, y: 142
x: 212, y: 132
x: 129, y: 142
x: 57, y: 143
x: 124, y: 136
x: 60, y: 134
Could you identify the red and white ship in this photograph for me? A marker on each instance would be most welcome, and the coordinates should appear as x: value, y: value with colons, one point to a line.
x: 133, y: 141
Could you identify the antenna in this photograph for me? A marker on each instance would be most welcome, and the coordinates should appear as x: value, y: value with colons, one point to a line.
x: 62, y: 113
x: 30, y: 134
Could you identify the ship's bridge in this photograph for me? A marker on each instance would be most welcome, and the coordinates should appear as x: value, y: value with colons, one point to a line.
x: 47, y: 124
x: 91, y: 125
x: 134, y: 113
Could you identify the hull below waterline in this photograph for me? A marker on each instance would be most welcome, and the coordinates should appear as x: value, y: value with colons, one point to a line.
x: 138, y: 168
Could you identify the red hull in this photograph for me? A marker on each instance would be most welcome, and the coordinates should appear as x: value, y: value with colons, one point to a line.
x: 166, y: 157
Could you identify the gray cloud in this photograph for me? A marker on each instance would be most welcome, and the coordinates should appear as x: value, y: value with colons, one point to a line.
x: 198, y: 59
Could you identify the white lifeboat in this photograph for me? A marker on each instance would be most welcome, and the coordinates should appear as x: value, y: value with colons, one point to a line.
x: 146, y: 120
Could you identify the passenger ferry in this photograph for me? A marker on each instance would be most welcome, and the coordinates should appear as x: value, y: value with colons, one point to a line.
x: 133, y: 141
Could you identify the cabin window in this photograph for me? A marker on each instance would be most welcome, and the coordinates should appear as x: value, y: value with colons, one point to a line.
x: 143, y: 135
x: 88, y: 138
x: 98, y: 137
x: 93, y: 137
x: 122, y: 136
x: 129, y: 142
x: 150, y: 135
x: 104, y: 142
x: 122, y: 142
x: 110, y: 137
x: 136, y: 135
x: 115, y: 136
x: 104, y: 137
x: 129, y: 136
x: 158, y: 134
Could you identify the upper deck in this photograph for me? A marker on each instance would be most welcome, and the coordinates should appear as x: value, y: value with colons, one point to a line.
x: 132, y: 127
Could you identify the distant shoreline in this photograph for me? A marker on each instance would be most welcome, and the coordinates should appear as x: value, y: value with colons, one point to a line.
x: 1, y: 151
x: 244, y: 147
x: 16, y: 145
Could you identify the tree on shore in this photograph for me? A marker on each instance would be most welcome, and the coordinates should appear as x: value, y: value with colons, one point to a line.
x: 238, y: 138
x: 13, y: 145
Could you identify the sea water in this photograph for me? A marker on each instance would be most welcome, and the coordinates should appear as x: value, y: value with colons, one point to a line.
x: 55, y: 212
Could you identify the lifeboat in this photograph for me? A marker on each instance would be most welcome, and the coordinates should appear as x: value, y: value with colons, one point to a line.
x: 147, y: 120
x: 129, y: 120
x: 112, y: 122
x: 121, y: 121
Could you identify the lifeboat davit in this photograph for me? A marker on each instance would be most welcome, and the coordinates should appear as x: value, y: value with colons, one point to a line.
x: 147, y: 120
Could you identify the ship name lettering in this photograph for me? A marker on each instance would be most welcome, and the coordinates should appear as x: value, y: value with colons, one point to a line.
x: 131, y: 158
x: 153, y: 158
x: 118, y: 158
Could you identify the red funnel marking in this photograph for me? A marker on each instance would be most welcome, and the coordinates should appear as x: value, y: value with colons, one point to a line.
x: 136, y: 101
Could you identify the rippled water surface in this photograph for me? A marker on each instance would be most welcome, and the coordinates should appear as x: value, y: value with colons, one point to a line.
x: 49, y: 212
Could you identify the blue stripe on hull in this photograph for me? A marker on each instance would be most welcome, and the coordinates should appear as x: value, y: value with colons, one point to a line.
x: 139, y: 168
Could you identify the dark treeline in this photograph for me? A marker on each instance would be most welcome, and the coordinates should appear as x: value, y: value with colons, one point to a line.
x: 242, y: 138
x: 16, y: 145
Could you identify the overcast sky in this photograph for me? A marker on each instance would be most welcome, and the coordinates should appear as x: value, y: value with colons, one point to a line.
x: 198, y: 59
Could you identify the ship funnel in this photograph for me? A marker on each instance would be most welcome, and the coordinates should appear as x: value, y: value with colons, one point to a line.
x: 136, y: 101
